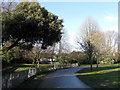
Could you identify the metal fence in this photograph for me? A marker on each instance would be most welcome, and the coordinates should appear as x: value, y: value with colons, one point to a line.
x: 14, y: 79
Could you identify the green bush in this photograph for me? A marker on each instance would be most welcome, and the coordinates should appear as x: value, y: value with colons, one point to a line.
x: 7, y: 58
x: 61, y: 61
x: 56, y: 60
x: 107, y: 61
x: 83, y: 60
x: 12, y: 57
x: 72, y: 61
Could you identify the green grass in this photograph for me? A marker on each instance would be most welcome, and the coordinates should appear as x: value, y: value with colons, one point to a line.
x: 27, y: 66
x: 105, y: 76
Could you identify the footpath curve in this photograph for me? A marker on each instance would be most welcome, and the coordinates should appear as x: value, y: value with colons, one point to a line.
x: 63, y: 79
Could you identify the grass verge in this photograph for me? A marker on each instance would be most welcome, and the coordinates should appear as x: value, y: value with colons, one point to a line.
x: 106, y: 76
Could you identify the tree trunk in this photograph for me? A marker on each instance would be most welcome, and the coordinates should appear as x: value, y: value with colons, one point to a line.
x: 10, y: 47
x: 37, y: 62
x: 60, y: 49
x: 97, y: 63
x: 33, y: 62
x: 53, y: 52
x: 90, y: 62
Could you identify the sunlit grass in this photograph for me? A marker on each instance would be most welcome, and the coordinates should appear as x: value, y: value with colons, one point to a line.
x: 21, y: 69
x: 103, y: 77
x: 36, y: 81
x: 38, y: 77
x: 27, y: 66
x: 99, y: 72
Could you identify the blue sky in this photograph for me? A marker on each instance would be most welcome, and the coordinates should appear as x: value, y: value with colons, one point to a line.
x: 74, y: 13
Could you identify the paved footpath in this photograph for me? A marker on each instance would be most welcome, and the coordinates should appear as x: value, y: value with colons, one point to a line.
x: 63, y: 79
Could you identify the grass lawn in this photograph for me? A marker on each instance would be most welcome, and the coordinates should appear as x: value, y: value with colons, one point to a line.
x: 106, y: 76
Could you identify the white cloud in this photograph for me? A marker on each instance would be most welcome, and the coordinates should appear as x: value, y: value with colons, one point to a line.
x: 112, y: 28
x: 111, y: 18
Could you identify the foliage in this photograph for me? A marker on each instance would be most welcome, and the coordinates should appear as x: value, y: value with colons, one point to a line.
x: 78, y: 56
x: 29, y: 23
x: 72, y: 61
x: 61, y: 60
x: 107, y: 61
x: 7, y: 58
x: 15, y: 55
x: 56, y: 60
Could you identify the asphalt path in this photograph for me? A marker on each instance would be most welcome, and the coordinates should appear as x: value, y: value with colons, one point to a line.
x: 63, y: 79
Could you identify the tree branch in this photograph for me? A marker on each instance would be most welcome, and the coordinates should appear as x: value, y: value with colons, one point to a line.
x: 10, y: 47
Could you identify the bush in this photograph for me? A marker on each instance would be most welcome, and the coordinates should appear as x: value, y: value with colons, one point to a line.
x: 107, y: 61
x: 60, y: 60
x: 56, y: 60
x: 73, y: 61
x: 13, y: 57
x: 7, y: 58
x: 83, y: 61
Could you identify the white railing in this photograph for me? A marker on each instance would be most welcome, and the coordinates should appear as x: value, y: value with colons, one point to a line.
x: 14, y: 79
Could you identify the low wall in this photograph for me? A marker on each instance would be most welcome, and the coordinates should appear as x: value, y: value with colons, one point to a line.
x: 14, y: 79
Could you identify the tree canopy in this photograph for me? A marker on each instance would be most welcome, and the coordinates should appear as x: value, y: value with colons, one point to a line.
x: 28, y: 24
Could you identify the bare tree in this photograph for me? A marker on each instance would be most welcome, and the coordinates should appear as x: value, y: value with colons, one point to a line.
x: 111, y: 46
x: 86, y: 40
x: 43, y: 53
x: 99, y: 43
x: 36, y: 51
x: 64, y: 46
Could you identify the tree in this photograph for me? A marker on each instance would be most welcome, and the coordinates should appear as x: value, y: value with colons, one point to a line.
x: 28, y: 24
x: 15, y: 55
x: 5, y: 7
x: 99, y: 43
x: 53, y: 52
x: 64, y: 46
x: 38, y: 53
x: 79, y: 57
x: 86, y: 40
x: 111, y: 47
